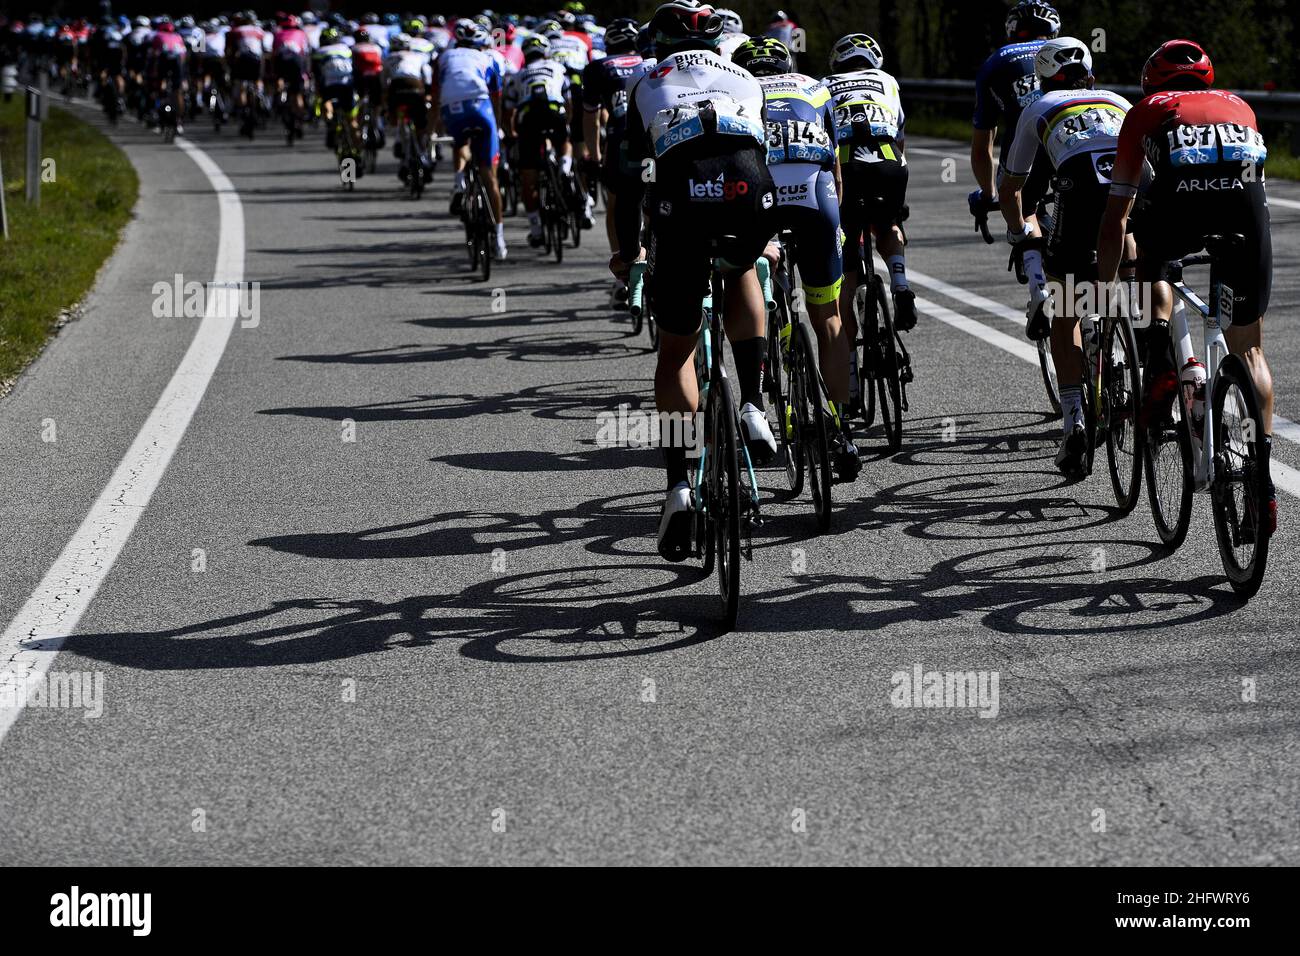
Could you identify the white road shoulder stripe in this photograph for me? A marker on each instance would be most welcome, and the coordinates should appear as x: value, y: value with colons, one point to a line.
x: 32, y: 639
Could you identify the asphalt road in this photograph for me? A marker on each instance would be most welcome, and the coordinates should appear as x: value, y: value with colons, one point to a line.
x: 450, y: 640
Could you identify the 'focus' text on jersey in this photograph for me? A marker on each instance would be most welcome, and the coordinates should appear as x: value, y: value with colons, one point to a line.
x: 800, y: 122
x: 467, y: 74
x: 697, y: 94
x: 1067, y: 123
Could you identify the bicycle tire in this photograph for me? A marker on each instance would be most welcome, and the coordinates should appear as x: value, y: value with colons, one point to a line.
x: 484, y: 230
x: 867, y: 331
x: 779, y: 396
x: 814, y: 437
x: 1122, y: 401
x: 1047, y: 368
x: 887, y: 380
x: 725, y: 475
x: 1229, y: 519
x: 1167, y: 454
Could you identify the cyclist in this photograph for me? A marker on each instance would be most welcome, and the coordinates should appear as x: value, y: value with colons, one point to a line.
x: 439, y: 35
x: 537, y: 106
x: 245, y: 46
x: 733, y: 32
x: 698, y: 121
x: 332, y: 68
x: 137, y: 54
x: 869, y: 125
x: 1004, y: 86
x: 805, y: 167
x: 571, y: 45
x: 290, y: 51
x: 605, y: 86
x: 213, y: 68
x: 468, y: 84
x: 368, y: 66
x: 1073, y: 130
x: 407, y: 77
x: 167, y: 55
x: 108, y: 57
x: 781, y: 26
x: 1207, y: 158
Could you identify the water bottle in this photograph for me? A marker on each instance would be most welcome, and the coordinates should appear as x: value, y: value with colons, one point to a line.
x: 1192, y: 379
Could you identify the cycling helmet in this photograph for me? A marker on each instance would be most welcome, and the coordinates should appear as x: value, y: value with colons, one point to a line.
x: 414, y: 26
x: 437, y: 20
x: 1032, y: 18
x: 165, y: 25
x: 1062, y: 62
x: 362, y: 35
x: 731, y: 22
x: 620, y: 35
x: 370, y: 18
x: 391, y: 19
x: 763, y: 56
x: 685, y: 24
x: 778, y: 16
x: 309, y: 18
x: 575, y: 6
x: 291, y: 22
x: 399, y: 42
x: 469, y: 33
x: 485, y: 22
x: 550, y: 29
x: 856, y: 51
x: 330, y: 35
x: 1177, y: 65
x: 536, y: 47
x: 185, y: 23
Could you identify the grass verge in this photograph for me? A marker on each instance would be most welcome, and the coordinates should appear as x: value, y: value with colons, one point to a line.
x: 54, y: 253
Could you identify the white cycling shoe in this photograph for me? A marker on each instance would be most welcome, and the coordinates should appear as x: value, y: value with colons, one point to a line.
x: 500, y: 244
x: 675, y: 524
x: 756, y: 434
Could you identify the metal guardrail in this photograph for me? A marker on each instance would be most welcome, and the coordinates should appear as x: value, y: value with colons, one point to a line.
x: 1269, y: 105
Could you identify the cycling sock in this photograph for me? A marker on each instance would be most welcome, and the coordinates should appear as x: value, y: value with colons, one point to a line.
x: 897, y: 273
x: 566, y: 164
x: 1159, y: 354
x: 751, y: 355
x: 675, y: 463
x: 1071, y: 408
x: 460, y: 182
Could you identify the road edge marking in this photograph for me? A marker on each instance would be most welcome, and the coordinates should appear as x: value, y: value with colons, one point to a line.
x: 33, y: 638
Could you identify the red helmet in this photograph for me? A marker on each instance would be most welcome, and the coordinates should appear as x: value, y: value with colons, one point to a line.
x: 290, y: 22
x: 1177, y: 65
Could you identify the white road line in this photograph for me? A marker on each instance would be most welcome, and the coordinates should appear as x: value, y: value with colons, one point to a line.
x: 32, y: 639
x: 1288, y: 203
x: 1285, y: 477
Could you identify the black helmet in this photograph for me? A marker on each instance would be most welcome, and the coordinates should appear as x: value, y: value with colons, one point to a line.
x: 763, y: 56
x: 684, y: 25
x: 1032, y: 18
x: 620, y: 35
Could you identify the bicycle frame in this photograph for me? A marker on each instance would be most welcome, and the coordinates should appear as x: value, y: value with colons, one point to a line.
x: 1216, y: 349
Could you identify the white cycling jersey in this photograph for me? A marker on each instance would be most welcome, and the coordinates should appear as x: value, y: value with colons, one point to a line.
x: 675, y: 102
x: 408, y: 65
x: 335, y: 64
x: 214, y: 44
x: 539, y: 82
x: 571, y: 51
x: 1067, y: 123
x: 866, y: 105
x: 467, y: 74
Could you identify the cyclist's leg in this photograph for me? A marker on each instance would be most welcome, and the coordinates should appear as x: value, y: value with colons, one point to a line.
x: 529, y: 149
x: 855, y: 229
x: 1250, y: 276
x: 1031, y: 194
x: 889, y: 182
x: 821, y: 268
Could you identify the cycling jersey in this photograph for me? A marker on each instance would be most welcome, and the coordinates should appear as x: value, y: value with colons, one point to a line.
x: 573, y: 50
x: 701, y: 119
x: 696, y: 95
x: 407, y: 65
x: 367, y: 59
x: 168, y: 46
x: 333, y: 65
x: 193, y: 38
x: 294, y: 41
x: 800, y: 121
x: 246, y: 40
x: 1067, y: 123
x: 1005, y: 85
x: 1207, y: 158
x: 868, y: 115
x: 541, y: 84
x: 214, y: 44
x: 466, y: 74
x: 605, y: 85
x: 782, y: 30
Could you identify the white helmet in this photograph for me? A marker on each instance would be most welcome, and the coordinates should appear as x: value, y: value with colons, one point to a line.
x: 856, y: 47
x: 1063, y: 60
x: 731, y: 22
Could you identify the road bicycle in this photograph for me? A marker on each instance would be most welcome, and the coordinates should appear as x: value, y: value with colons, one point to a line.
x: 1213, y: 445
x: 347, y: 151
x: 1112, y: 397
x: 372, y: 133
x: 798, y: 398
x: 724, y: 490
x: 476, y: 215
x: 885, y: 366
x: 553, y: 205
x: 415, y: 161
x: 1046, y: 366
x: 288, y: 109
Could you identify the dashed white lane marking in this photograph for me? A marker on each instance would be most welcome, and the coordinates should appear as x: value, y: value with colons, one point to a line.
x: 32, y: 639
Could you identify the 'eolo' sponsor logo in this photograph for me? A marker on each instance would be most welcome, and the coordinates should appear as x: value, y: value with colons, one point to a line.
x: 718, y: 190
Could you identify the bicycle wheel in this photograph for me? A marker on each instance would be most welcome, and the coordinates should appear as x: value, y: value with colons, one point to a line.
x: 1242, y: 521
x: 887, y: 373
x: 1167, y: 457
x: 484, y: 230
x: 814, y: 437
x: 555, y: 225
x: 471, y: 240
x: 864, y: 307
x: 1121, y: 402
x: 779, y: 363
x: 1048, y: 369
x: 724, y: 478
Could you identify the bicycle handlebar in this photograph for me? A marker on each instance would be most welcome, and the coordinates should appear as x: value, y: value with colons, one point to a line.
x: 981, y: 210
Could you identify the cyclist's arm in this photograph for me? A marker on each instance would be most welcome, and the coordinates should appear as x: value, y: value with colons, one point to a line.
x: 591, y: 131
x: 1125, y: 178
x: 627, y: 211
x: 1110, y: 238
x: 981, y: 158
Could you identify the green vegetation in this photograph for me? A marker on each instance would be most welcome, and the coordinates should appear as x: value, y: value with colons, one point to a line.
x: 54, y: 252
